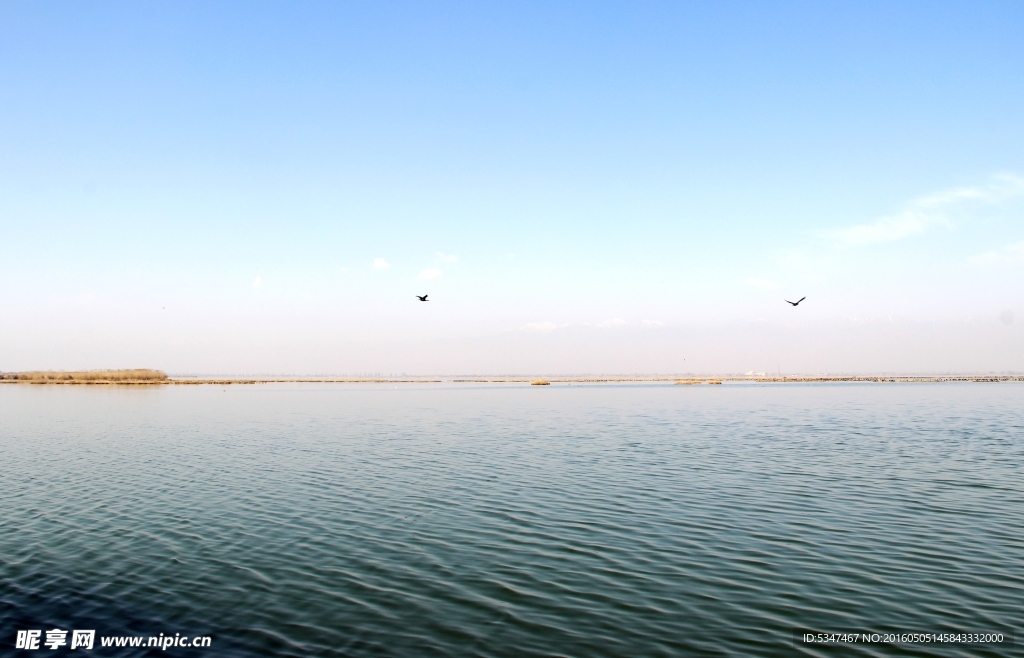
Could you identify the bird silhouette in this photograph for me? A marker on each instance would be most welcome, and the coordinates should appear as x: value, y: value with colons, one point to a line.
x: 423, y: 298
x: 796, y: 302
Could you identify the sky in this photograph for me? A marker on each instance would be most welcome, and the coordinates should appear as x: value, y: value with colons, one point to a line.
x: 579, y: 187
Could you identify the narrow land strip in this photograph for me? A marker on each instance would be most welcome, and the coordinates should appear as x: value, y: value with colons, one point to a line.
x: 144, y: 376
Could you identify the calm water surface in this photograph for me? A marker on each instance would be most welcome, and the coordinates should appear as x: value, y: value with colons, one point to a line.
x: 506, y: 520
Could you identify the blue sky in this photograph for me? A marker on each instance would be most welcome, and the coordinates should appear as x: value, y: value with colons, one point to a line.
x: 580, y: 187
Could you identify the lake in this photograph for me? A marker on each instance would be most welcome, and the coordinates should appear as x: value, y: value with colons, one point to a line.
x: 427, y: 519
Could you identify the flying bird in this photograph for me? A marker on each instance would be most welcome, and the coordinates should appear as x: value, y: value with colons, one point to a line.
x: 796, y: 302
x: 423, y: 298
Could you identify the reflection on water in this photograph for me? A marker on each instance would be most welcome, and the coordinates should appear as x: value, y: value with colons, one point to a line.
x: 507, y: 520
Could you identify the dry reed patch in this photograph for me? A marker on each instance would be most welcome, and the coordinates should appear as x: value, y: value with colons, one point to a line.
x: 135, y: 375
x: 540, y: 382
x: 687, y: 382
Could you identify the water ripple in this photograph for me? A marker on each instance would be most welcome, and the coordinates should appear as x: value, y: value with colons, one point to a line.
x: 482, y: 520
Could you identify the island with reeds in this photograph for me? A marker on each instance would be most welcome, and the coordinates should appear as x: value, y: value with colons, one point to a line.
x: 136, y: 376
x: 129, y: 376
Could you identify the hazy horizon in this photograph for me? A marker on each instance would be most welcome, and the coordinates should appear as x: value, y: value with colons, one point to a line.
x: 233, y: 188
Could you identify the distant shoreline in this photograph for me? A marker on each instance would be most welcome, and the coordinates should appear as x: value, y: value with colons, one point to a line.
x: 146, y: 377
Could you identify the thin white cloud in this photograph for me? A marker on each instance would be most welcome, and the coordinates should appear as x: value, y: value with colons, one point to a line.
x: 381, y: 264
x: 1002, y: 188
x: 257, y: 282
x: 619, y: 322
x: 930, y: 211
x: 761, y: 283
x: 446, y: 258
x: 547, y: 327
x: 429, y: 275
x: 887, y: 229
x: 1009, y: 255
x: 541, y: 327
